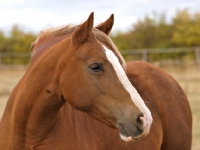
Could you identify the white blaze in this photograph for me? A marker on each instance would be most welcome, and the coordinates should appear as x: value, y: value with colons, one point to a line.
x: 137, y: 100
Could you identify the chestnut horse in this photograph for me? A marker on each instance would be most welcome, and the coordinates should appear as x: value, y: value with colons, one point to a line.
x: 79, y: 94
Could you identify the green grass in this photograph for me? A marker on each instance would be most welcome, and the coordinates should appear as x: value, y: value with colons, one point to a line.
x: 189, y: 80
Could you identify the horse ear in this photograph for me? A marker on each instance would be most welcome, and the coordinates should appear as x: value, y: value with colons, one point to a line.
x: 107, y: 25
x: 83, y: 31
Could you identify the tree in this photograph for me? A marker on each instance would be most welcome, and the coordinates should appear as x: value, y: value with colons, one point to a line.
x: 16, y: 41
x: 150, y: 32
x: 186, y: 29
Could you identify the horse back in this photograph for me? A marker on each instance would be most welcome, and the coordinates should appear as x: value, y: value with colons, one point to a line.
x: 168, y: 104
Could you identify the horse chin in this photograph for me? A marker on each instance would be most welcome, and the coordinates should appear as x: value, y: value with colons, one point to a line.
x: 126, y: 139
x: 129, y: 138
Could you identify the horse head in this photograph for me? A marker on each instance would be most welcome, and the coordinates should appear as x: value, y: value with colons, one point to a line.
x: 92, y: 79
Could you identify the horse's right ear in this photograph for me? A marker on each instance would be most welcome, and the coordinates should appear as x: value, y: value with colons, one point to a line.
x: 107, y: 25
x: 83, y: 31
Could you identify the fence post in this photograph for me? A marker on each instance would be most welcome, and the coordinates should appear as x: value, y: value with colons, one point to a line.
x: 197, y: 58
x: 144, y: 55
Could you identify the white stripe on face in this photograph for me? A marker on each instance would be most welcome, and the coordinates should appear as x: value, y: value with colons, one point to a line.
x: 137, y: 100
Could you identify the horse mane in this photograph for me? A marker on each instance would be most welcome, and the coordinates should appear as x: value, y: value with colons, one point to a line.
x: 99, y: 35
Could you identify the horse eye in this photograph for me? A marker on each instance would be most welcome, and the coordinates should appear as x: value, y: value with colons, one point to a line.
x: 96, y: 67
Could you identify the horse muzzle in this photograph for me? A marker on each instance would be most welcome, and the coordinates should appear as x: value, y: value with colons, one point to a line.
x: 133, y: 130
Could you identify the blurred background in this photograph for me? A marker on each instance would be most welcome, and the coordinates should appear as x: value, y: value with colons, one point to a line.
x: 162, y: 32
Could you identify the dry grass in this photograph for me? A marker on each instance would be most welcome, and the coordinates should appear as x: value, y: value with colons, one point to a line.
x: 8, y: 79
x: 3, y: 100
x: 188, y: 79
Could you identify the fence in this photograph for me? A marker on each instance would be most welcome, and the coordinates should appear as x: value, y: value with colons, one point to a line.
x: 166, y: 57
x: 159, y: 57
x: 10, y: 60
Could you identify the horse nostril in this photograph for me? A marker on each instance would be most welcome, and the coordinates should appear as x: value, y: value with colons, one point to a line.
x: 139, y: 125
x: 139, y: 121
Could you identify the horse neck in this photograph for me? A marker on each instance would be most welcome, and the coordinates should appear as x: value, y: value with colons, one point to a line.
x: 44, y: 44
x: 78, y: 127
x: 34, y: 105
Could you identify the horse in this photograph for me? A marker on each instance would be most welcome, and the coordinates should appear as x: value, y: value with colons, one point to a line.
x: 79, y: 93
x: 73, y: 77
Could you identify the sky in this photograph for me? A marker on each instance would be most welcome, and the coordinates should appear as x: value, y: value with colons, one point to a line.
x: 36, y: 15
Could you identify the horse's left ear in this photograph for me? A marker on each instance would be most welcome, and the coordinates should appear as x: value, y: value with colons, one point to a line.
x: 84, y: 30
x: 107, y: 25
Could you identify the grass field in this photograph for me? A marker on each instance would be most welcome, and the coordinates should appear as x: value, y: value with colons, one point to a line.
x: 188, y: 79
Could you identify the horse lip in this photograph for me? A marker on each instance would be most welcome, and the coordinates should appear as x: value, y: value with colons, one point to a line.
x: 126, y: 136
x: 122, y: 130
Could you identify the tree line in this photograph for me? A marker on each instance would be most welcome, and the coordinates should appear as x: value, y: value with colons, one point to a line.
x: 157, y: 32
x: 153, y: 31
x: 16, y: 40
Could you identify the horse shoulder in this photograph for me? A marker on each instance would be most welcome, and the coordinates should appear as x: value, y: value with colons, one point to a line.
x: 166, y: 101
